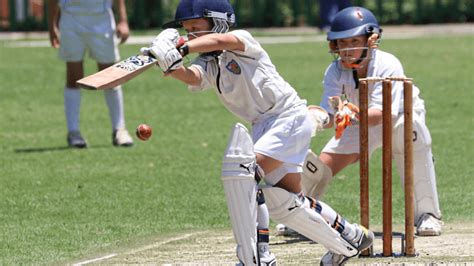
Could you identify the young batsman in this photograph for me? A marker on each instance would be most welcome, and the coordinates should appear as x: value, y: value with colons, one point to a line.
x: 79, y: 26
x: 240, y: 72
x: 354, y: 38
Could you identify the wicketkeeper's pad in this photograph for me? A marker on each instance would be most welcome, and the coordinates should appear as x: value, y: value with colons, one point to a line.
x: 316, y: 176
x: 238, y: 177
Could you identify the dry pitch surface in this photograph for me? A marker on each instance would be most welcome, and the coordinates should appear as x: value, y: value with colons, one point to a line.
x: 454, y: 246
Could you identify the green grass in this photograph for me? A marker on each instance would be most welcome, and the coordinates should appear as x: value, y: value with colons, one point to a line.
x: 58, y: 204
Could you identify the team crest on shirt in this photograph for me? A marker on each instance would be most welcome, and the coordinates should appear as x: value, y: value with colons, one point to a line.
x: 233, y: 67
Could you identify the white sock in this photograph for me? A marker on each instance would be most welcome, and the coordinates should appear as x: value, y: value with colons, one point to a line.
x: 72, y: 106
x: 263, y: 218
x: 114, y: 99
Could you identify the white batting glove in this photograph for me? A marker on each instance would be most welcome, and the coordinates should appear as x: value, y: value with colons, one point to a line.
x: 167, y: 35
x: 168, y: 57
x: 320, y: 118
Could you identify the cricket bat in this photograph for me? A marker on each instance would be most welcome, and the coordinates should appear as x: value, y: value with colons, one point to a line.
x: 118, y: 73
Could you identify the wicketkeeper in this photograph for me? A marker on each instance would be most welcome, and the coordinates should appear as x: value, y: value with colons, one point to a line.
x: 353, y: 38
x: 240, y: 72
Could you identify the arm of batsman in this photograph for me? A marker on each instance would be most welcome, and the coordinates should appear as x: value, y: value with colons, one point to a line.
x: 346, y: 114
x: 168, y: 57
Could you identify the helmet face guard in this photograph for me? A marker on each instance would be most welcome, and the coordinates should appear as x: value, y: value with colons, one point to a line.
x: 220, y: 12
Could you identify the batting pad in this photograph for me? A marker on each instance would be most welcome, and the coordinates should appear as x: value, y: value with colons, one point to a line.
x: 316, y: 176
x: 238, y: 177
x: 286, y: 208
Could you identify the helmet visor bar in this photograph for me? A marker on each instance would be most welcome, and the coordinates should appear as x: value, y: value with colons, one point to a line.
x: 224, y: 16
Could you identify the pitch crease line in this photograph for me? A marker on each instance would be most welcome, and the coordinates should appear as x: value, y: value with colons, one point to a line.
x: 95, y: 260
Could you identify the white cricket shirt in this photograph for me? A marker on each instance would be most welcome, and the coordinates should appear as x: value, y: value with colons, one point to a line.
x: 382, y: 65
x: 246, y: 82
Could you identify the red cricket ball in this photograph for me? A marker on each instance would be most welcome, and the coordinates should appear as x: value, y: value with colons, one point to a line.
x: 143, y: 132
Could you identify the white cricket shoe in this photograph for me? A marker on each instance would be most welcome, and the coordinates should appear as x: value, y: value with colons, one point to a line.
x: 428, y: 225
x: 364, y: 239
x: 75, y: 140
x: 283, y: 230
x: 333, y: 259
x: 266, y: 257
x: 121, y: 137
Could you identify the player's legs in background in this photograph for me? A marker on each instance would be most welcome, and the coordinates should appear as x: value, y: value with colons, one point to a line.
x: 72, y: 104
x: 114, y: 100
x: 336, y: 162
x: 427, y: 210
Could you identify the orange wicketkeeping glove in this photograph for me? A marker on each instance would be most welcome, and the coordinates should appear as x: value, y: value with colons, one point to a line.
x: 346, y: 114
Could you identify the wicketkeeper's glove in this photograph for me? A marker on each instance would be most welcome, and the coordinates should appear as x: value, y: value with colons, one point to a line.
x: 346, y: 114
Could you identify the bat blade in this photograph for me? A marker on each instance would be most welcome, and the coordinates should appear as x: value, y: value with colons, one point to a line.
x: 118, y: 73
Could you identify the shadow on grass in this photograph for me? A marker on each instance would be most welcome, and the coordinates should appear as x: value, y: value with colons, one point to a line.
x: 61, y: 148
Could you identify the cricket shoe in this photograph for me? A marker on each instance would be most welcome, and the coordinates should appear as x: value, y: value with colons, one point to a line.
x: 121, y: 137
x: 428, y: 225
x: 283, y: 230
x: 75, y: 140
x: 364, y: 239
x: 266, y: 257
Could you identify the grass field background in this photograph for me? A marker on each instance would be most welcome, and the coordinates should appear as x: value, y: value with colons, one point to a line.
x: 58, y: 205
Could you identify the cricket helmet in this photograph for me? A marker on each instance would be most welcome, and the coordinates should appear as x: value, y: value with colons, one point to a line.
x: 220, y: 12
x: 352, y: 22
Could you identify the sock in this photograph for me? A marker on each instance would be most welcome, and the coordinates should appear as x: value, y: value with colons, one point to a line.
x: 114, y: 99
x: 72, y: 106
x: 263, y: 217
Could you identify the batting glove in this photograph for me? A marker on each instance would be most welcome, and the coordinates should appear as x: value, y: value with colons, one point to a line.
x: 168, y: 57
x: 166, y: 35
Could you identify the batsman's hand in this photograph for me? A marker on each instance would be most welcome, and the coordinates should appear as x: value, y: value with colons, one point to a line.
x: 171, y: 35
x: 168, y: 57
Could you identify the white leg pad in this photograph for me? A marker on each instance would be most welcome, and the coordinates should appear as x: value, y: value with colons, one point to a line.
x: 316, y: 176
x: 238, y: 177
x: 286, y: 208
x: 426, y: 194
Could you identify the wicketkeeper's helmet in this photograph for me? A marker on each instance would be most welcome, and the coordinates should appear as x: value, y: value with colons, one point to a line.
x: 220, y: 12
x: 352, y: 22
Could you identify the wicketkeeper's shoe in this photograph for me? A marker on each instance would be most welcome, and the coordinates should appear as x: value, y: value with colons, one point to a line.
x: 283, y: 230
x: 75, y: 140
x: 364, y: 239
x: 428, y: 225
x: 121, y: 137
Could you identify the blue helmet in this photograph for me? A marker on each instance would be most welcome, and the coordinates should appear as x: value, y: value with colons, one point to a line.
x: 220, y: 11
x: 352, y: 22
